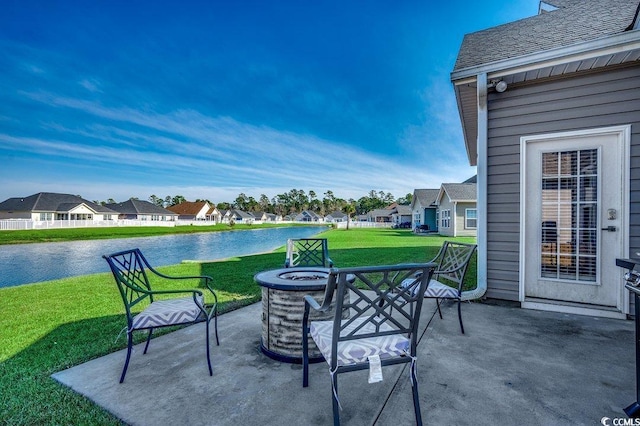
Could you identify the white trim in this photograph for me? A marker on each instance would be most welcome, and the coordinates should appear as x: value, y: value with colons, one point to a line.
x: 608, y: 45
x: 455, y: 219
x: 624, y: 134
x: 466, y: 218
x: 577, y: 310
x: 545, y: 7
x: 481, y: 186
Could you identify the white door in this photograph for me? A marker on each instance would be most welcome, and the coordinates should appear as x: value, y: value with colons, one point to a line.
x: 574, y: 201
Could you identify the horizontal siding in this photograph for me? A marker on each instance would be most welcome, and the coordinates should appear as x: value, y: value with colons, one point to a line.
x: 583, y: 102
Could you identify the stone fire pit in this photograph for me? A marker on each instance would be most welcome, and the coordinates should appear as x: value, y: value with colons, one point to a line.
x: 283, y: 308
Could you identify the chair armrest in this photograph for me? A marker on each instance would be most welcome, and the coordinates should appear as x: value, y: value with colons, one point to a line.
x: 189, y: 291
x: 308, y: 300
x: 186, y: 277
x: 330, y: 262
x: 207, y: 279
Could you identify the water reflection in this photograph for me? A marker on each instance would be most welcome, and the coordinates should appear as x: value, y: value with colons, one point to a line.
x: 29, y: 263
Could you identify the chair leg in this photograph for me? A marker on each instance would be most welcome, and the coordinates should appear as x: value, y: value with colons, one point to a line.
x: 305, y: 358
x: 416, y: 398
x: 126, y: 362
x: 208, y: 349
x: 215, y: 324
x: 334, y: 398
x: 438, y: 305
x: 146, y: 346
x: 460, y: 315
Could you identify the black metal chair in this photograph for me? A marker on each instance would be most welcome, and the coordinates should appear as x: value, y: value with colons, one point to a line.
x: 145, y: 312
x: 305, y: 252
x: 372, y: 331
x: 453, y: 261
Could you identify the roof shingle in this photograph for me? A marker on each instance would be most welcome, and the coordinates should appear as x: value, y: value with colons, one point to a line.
x: 573, y: 22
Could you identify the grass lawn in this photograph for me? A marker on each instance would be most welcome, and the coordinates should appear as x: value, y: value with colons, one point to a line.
x: 73, y: 234
x: 48, y: 327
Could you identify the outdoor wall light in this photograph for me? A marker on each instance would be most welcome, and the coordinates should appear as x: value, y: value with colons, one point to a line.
x: 501, y: 86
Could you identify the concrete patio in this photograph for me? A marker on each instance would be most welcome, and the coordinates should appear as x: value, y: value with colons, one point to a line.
x: 513, y: 366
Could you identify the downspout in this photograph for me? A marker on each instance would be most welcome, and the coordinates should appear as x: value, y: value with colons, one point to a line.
x: 454, y: 219
x: 481, y: 287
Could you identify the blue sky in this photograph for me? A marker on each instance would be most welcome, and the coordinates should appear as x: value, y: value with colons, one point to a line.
x: 208, y: 99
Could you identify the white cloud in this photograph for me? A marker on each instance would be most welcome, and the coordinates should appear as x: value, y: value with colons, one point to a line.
x: 187, y: 153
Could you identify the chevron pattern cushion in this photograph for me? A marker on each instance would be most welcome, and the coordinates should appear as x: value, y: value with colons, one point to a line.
x: 442, y: 291
x: 435, y: 289
x: 357, y: 351
x: 167, y: 312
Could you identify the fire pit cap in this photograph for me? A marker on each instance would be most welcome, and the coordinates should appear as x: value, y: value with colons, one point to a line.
x: 294, y: 279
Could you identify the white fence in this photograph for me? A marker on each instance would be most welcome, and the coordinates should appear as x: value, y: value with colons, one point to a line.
x: 23, y: 224
x: 17, y: 224
x: 343, y: 225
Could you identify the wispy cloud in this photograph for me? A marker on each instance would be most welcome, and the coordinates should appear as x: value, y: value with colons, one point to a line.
x: 218, y: 150
x: 259, y: 100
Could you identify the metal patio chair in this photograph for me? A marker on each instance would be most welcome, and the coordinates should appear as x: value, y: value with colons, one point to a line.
x: 373, y: 332
x: 304, y: 252
x: 145, y: 312
x: 453, y: 261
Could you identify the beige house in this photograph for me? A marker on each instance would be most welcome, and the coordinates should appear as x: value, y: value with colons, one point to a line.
x: 457, y: 212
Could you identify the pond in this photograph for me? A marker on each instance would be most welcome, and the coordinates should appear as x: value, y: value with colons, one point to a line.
x: 30, y: 263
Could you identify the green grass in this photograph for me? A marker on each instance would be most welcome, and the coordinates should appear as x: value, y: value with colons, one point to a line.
x: 73, y: 234
x: 48, y: 327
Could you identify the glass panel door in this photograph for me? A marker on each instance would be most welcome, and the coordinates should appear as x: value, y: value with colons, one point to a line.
x: 569, y: 237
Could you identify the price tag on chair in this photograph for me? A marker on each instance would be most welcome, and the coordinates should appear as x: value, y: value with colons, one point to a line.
x: 375, y: 369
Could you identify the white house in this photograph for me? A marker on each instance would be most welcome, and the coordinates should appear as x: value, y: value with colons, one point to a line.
x: 142, y: 210
x: 238, y: 216
x: 336, y: 216
x: 196, y: 210
x: 424, y: 209
x: 308, y: 216
x: 50, y: 206
x: 401, y: 215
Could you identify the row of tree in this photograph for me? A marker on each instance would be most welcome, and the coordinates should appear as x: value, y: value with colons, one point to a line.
x: 295, y: 201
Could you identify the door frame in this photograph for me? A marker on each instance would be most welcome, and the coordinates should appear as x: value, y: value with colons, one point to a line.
x: 623, y: 133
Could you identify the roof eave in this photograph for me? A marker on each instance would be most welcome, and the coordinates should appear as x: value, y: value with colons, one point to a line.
x: 616, y: 43
x: 462, y: 78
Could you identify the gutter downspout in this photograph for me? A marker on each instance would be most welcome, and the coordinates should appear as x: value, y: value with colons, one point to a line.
x: 454, y: 219
x: 481, y: 168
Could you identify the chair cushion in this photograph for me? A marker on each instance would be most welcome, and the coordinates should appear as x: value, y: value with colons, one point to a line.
x: 442, y: 291
x: 357, y: 351
x: 435, y: 289
x: 167, y: 312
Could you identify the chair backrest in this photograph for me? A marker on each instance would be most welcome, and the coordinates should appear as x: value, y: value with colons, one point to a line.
x: 305, y: 252
x: 379, y: 305
x: 453, y: 261
x: 128, y: 268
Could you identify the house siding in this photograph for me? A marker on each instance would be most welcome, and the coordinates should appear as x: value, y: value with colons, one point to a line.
x: 582, y: 102
x: 461, y: 230
x: 16, y: 215
x: 445, y: 204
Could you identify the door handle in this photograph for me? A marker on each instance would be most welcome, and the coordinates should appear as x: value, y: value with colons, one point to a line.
x: 610, y: 228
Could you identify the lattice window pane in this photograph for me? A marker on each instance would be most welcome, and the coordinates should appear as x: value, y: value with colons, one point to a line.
x: 569, y: 215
